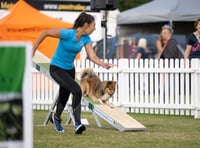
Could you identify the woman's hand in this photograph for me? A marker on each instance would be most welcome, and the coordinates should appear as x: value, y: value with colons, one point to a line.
x: 108, y: 65
x: 92, y: 56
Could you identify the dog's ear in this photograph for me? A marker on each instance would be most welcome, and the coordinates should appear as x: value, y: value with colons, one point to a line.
x: 111, y: 83
x: 104, y: 84
x: 114, y: 82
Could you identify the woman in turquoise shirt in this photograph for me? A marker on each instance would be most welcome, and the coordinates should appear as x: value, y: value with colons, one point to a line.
x: 62, y: 67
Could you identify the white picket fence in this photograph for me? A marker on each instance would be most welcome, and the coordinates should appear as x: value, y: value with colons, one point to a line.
x: 152, y: 86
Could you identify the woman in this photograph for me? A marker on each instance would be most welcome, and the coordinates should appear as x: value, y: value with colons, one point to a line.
x: 62, y: 67
x: 160, y: 43
x: 170, y: 49
x: 142, y: 51
x: 193, y: 43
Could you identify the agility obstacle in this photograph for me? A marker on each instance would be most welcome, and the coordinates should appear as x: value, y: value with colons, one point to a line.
x: 113, y: 115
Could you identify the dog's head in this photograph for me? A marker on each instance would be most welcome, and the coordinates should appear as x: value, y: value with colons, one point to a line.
x: 110, y: 87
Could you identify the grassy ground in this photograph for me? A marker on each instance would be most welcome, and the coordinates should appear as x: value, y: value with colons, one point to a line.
x: 161, y: 132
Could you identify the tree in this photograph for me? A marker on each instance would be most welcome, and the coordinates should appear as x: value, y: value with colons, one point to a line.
x: 127, y: 4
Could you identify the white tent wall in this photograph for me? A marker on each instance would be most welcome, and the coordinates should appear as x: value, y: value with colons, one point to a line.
x: 112, y: 22
x: 70, y: 17
x: 97, y: 35
x: 3, y: 13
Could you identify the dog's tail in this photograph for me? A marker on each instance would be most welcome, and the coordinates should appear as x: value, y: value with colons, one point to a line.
x: 87, y: 73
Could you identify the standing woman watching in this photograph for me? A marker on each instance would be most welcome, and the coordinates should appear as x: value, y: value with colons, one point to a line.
x: 193, y: 43
x: 170, y: 49
x: 62, y: 67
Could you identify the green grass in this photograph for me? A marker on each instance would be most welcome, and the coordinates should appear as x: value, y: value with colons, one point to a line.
x: 161, y: 132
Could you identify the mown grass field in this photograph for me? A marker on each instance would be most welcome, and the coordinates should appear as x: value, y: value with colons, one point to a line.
x: 161, y: 132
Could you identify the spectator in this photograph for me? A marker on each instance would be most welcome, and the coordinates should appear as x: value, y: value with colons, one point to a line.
x: 133, y: 48
x: 170, y: 49
x: 142, y: 51
x: 193, y: 43
x: 160, y: 42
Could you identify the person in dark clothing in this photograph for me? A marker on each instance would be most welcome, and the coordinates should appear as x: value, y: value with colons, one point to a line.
x: 193, y: 43
x: 142, y: 51
x: 170, y: 49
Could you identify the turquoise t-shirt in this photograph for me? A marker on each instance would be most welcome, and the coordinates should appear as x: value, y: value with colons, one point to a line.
x: 67, y: 49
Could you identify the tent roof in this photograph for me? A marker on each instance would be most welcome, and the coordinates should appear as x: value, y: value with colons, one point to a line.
x: 24, y: 14
x: 161, y: 11
x: 26, y: 23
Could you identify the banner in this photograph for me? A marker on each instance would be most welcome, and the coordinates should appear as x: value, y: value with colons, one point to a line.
x: 15, y: 95
x: 52, y: 5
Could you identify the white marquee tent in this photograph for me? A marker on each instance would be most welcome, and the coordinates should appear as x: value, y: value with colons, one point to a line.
x: 151, y: 16
x: 160, y: 11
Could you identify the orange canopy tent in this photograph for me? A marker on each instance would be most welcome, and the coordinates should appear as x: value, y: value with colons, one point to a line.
x: 25, y: 23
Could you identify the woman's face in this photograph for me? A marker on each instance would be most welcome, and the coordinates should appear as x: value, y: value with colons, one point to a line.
x: 198, y: 27
x: 90, y: 28
x: 165, y: 34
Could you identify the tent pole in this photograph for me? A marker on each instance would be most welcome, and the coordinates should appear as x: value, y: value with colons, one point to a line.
x: 104, y: 25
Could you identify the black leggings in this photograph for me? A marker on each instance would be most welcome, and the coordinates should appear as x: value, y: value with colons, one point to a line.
x: 67, y: 83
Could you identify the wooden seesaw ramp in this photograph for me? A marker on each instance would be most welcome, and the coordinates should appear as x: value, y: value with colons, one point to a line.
x: 120, y: 119
x: 113, y: 115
